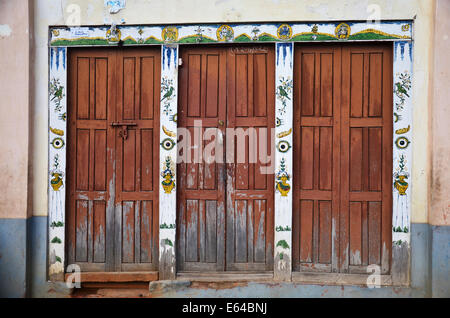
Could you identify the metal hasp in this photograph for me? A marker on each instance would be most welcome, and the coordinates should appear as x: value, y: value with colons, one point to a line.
x: 124, y: 131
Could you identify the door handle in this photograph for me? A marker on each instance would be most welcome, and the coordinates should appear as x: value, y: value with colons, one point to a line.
x: 123, y: 132
x: 221, y: 122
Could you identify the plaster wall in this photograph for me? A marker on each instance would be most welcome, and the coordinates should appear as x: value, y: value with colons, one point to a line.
x: 14, y: 107
x: 440, y: 194
x: 63, y: 12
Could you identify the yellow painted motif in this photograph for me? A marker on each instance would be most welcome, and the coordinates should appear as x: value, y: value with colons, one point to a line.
x: 225, y: 33
x: 168, y: 132
x: 168, y: 175
x: 284, y: 32
x: 56, y: 131
x: 342, y: 31
x: 170, y: 34
x: 56, y: 181
x: 401, y: 185
x: 284, y: 133
x: 403, y: 130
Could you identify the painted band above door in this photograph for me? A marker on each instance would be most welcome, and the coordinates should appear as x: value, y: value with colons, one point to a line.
x: 231, y: 33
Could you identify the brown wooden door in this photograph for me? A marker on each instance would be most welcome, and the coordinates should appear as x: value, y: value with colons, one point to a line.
x: 225, y: 212
x: 342, y: 158
x: 201, y: 190
x: 113, y: 183
x: 250, y: 193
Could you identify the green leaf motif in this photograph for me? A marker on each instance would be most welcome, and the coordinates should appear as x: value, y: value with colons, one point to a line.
x: 283, y: 244
x: 168, y: 242
x: 58, y: 259
x: 56, y: 240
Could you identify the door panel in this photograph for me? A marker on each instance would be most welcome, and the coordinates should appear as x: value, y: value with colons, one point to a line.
x: 113, y: 182
x: 342, y: 158
x: 366, y: 170
x: 90, y: 142
x: 225, y: 88
x: 316, y: 157
x: 250, y: 193
x: 201, y: 190
x: 137, y: 175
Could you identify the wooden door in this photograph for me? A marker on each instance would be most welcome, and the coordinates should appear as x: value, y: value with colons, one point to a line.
x: 225, y: 217
x: 342, y: 158
x: 137, y: 158
x: 112, y: 220
x: 316, y: 157
x: 250, y: 193
x: 201, y: 188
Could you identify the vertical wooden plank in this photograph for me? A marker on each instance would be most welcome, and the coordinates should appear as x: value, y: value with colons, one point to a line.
x: 355, y: 233
x: 90, y: 232
x: 356, y: 84
x: 260, y: 178
x: 307, y: 84
x: 146, y: 89
x: 100, y: 160
x: 326, y: 84
x: 259, y: 232
x: 365, y: 234
x: 307, y: 158
x: 194, y: 76
x: 128, y: 230
x: 81, y: 247
x: 146, y: 231
x: 211, y: 231
x: 241, y: 231
x: 83, y: 88
x: 325, y: 158
x: 356, y: 151
x: 101, y: 87
x: 345, y: 162
x: 129, y: 77
x: 192, y: 207
x: 336, y: 186
x: 242, y: 89
x: 375, y: 158
x: 324, y: 232
x: 129, y: 161
x: 212, y: 86
x: 375, y: 84
x: 306, y: 230
x: 146, y: 159
x: 137, y: 231
x: 260, y: 85
x: 201, y: 232
x: 374, y: 219
x: 316, y: 232
x: 99, y: 234
x: 242, y: 168
x: 82, y: 162
x: 250, y: 231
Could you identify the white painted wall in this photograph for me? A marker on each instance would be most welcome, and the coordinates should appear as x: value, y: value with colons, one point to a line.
x: 63, y: 12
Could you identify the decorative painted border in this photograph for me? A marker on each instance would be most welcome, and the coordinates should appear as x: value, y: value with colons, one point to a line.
x: 168, y: 159
x: 57, y: 158
x: 284, y: 79
x: 402, y: 152
x: 283, y: 34
x: 232, y: 33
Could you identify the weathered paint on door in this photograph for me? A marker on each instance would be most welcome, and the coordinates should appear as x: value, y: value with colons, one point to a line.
x: 113, y: 181
x: 342, y: 158
x: 225, y: 211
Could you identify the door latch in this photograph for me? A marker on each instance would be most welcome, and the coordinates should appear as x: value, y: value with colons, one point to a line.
x: 123, y: 132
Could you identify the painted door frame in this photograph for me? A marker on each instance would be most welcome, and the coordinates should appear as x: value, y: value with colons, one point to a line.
x: 283, y: 36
